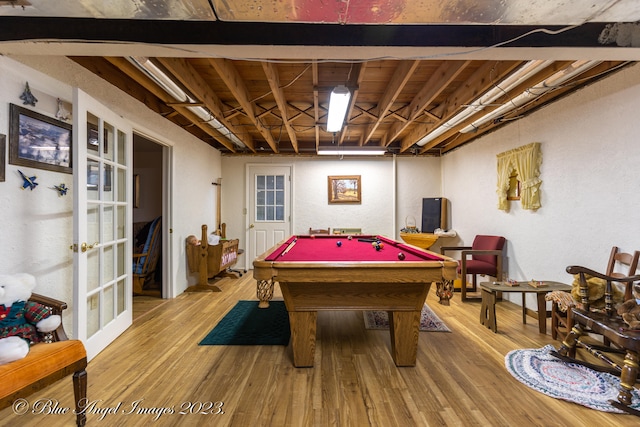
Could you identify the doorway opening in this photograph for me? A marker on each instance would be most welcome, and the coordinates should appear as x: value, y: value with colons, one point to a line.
x: 148, y: 227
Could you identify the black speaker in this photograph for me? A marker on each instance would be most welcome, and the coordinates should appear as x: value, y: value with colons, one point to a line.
x: 434, y: 214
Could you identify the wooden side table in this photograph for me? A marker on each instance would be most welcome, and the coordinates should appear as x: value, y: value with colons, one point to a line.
x: 490, y: 289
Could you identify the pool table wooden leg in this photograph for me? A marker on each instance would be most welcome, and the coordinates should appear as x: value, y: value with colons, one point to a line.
x: 303, y: 337
x: 264, y: 292
x: 444, y: 291
x: 404, y: 327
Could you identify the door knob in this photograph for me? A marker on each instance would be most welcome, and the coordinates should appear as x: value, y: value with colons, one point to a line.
x: 84, y: 247
x: 251, y: 226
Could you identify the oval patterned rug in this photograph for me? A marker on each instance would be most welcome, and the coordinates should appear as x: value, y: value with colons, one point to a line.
x: 543, y: 372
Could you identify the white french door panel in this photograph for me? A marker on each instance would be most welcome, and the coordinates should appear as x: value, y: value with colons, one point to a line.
x: 102, y: 177
x: 269, y: 201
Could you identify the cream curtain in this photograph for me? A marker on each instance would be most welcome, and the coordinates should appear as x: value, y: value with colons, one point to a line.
x: 526, y: 161
x: 504, y: 171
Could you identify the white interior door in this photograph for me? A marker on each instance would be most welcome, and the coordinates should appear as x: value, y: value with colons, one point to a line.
x: 102, y: 178
x: 269, y: 206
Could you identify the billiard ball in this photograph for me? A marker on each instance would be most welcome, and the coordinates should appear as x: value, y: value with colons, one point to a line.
x: 339, y: 243
x: 400, y: 256
x: 349, y: 238
x: 312, y: 236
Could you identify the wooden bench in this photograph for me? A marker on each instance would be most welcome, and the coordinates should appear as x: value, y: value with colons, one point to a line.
x: 47, y: 362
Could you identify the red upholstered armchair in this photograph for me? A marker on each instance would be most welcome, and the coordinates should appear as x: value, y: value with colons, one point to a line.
x: 486, y: 259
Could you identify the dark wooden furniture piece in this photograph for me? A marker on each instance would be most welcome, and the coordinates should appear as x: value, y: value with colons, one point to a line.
x: 47, y: 362
x: 486, y: 259
x: 489, y: 296
x: 315, y: 273
x: 611, y: 326
x: 314, y: 231
x: 560, y: 316
x: 145, y: 259
x: 210, y: 261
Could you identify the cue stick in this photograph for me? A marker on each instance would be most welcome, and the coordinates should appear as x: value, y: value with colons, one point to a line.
x: 289, y: 247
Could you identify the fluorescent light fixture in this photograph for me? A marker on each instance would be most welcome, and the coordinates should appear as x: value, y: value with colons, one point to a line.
x: 351, y: 151
x: 338, y: 104
x: 168, y: 85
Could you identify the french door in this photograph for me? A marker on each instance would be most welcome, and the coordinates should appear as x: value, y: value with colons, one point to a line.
x: 102, y: 156
x: 269, y: 217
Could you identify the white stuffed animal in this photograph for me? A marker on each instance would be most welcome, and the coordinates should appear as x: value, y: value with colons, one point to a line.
x: 20, y: 319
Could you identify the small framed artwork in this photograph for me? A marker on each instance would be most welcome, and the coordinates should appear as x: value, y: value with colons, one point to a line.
x: 344, y: 189
x: 3, y: 148
x: 38, y: 141
x: 514, y: 187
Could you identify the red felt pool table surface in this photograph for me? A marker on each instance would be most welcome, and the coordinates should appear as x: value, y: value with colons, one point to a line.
x: 340, y: 248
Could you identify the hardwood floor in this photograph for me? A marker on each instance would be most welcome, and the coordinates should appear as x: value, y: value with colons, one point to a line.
x: 459, y: 379
x: 142, y: 304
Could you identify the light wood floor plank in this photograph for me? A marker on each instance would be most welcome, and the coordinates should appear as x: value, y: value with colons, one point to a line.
x: 459, y: 379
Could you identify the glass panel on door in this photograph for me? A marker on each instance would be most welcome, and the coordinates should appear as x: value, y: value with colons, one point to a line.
x: 270, y: 191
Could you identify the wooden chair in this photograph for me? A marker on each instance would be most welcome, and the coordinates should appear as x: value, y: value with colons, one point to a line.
x: 486, y: 259
x: 47, y: 362
x: 319, y: 230
x: 611, y: 326
x: 146, y: 258
x: 620, y: 264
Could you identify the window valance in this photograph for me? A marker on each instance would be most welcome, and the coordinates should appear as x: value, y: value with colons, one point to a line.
x: 525, y: 161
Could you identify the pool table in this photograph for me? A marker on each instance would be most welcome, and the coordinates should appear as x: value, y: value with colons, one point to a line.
x: 335, y: 272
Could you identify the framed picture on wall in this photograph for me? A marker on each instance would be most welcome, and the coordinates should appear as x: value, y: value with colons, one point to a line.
x: 344, y: 189
x: 38, y: 141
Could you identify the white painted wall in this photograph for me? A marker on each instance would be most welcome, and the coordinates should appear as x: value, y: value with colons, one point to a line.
x: 37, y: 226
x: 590, y: 189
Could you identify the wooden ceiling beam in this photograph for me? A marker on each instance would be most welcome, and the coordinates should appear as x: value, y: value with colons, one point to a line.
x: 401, y: 76
x: 439, y: 81
x: 514, y: 92
x: 273, y: 77
x: 133, y: 72
x: 316, y: 102
x: 535, y: 103
x: 232, y: 79
x: 184, y: 72
x: 485, y: 77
